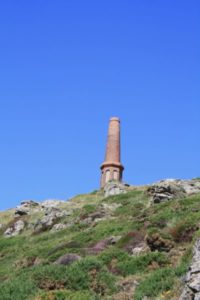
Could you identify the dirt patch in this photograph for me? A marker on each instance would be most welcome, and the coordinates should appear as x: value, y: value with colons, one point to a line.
x: 183, y: 232
x: 50, y: 285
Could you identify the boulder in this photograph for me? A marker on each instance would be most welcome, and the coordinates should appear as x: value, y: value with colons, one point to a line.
x: 67, y: 259
x: 15, y: 229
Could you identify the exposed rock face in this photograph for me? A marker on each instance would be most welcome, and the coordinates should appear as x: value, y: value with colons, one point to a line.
x: 67, y: 259
x: 173, y: 188
x: 15, y: 229
x: 114, y: 188
x: 192, y: 279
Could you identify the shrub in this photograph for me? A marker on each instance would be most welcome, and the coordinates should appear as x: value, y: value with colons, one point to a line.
x: 91, y: 275
x: 49, y: 277
x: 88, y: 274
x: 63, y: 295
x: 183, y: 231
x: 20, y: 288
x: 89, y: 208
x: 129, y: 265
x: 113, y: 253
x: 159, y: 281
x: 138, y: 264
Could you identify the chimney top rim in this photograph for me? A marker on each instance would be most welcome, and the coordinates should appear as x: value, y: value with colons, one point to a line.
x: 115, y: 119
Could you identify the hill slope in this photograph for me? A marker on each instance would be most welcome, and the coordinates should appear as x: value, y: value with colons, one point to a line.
x: 91, y: 247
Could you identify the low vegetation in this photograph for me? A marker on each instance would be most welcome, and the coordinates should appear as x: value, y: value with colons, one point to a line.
x: 127, y: 247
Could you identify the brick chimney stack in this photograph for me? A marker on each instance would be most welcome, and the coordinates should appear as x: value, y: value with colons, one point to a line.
x: 112, y: 168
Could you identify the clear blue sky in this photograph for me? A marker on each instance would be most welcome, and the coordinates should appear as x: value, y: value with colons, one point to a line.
x: 66, y: 67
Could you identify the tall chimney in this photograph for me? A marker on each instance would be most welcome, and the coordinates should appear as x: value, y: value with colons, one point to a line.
x: 112, y: 168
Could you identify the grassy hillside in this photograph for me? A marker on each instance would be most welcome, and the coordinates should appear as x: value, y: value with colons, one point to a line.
x: 132, y: 251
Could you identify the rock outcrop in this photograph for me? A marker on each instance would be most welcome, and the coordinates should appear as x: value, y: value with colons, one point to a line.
x: 51, y: 203
x: 192, y: 279
x: 15, y: 229
x: 26, y: 207
x: 52, y: 216
x: 173, y: 188
x: 115, y: 188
